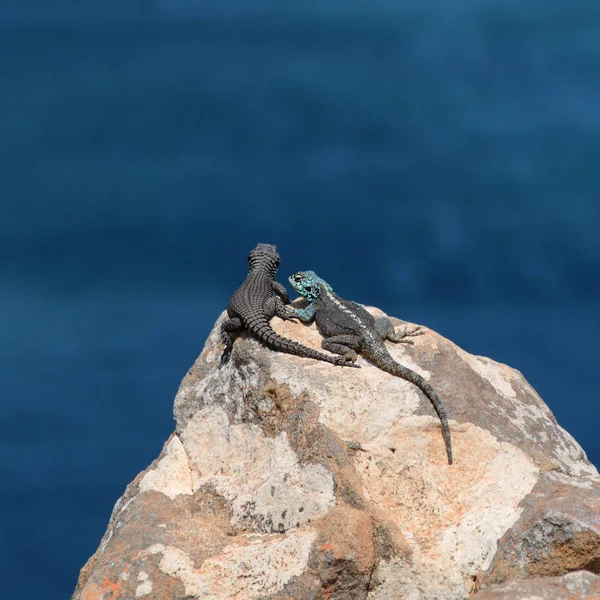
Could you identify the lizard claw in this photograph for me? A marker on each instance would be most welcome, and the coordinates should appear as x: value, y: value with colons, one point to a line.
x: 290, y: 316
x: 416, y: 331
x: 402, y: 335
x: 225, y: 356
x: 349, y: 359
x: 345, y: 363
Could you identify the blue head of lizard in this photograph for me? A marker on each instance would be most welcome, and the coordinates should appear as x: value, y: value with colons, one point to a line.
x: 308, y: 284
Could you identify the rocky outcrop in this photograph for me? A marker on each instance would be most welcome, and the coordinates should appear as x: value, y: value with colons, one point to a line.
x: 558, y: 531
x: 292, y: 478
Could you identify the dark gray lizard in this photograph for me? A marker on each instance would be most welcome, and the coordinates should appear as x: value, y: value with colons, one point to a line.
x: 257, y: 301
x: 348, y: 328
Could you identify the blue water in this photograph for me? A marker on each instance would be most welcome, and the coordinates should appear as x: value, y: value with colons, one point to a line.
x: 441, y: 162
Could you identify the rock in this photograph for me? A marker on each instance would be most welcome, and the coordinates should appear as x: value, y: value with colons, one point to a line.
x: 292, y: 478
x: 580, y: 585
x: 558, y: 531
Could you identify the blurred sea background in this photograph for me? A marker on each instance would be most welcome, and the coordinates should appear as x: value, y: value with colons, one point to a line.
x: 438, y: 160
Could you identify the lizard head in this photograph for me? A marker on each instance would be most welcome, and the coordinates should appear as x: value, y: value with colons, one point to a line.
x: 307, y: 284
x: 264, y: 256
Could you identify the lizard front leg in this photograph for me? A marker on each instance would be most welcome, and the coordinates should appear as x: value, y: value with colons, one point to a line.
x: 274, y: 306
x: 346, y: 345
x: 280, y: 290
x: 305, y: 314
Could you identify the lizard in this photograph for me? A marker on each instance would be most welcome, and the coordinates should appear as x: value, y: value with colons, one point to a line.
x: 258, y: 299
x: 348, y: 328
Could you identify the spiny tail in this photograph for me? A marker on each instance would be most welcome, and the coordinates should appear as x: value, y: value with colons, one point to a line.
x: 263, y: 332
x: 388, y: 364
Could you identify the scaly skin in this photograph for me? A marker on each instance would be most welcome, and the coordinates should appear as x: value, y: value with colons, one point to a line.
x: 348, y: 328
x: 257, y: 301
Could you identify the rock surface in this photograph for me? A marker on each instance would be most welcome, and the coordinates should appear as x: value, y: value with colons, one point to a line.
x: 580, y: 585
x: 292, y: 478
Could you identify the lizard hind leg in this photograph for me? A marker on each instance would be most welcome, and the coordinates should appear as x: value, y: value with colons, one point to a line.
x: 386, y: 331
x: 346, y: 345
x: 228, y: 327
x: 280, y: 290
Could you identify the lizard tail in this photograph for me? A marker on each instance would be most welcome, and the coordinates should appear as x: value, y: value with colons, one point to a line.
x: 389, y: 365
x: 261, y: 330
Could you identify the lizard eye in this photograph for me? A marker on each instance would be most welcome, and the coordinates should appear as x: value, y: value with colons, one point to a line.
x: 298, y: 278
